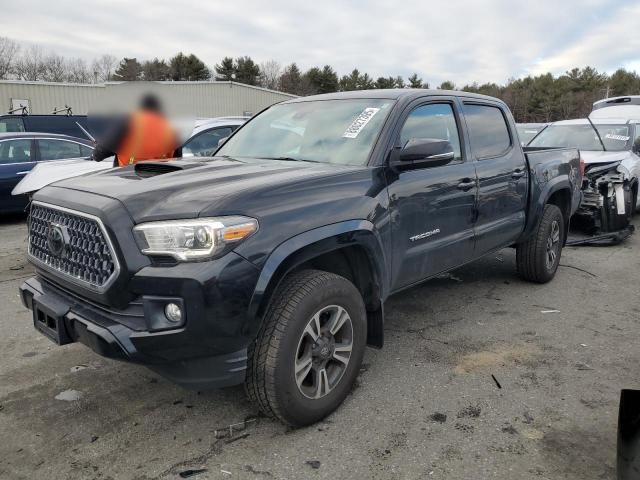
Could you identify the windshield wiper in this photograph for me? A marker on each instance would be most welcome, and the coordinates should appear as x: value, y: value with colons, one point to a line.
x: 598, y: 134
x: 291, y: 159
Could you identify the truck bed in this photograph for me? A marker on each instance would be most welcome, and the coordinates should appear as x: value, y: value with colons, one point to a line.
x: 548, y: 166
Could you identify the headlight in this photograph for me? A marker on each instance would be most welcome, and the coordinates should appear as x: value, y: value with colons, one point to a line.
x: 195, y: 239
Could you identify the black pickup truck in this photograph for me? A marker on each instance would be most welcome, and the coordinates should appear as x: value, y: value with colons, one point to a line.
x: 269, y: 263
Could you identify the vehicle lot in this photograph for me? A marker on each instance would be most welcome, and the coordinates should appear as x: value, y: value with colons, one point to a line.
x: 426, y: 406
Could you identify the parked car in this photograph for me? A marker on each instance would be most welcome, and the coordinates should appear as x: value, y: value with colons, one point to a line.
x: 270, y: 263
x: 527, y: 131
x: 203, y: 141
x: 20, y: 152
x: 609, y: 149
x: 207, y: 134
x: 627, y: 107
x: 58, y: 124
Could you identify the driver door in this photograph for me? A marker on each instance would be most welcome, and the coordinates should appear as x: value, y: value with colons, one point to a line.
x: 432, y: 209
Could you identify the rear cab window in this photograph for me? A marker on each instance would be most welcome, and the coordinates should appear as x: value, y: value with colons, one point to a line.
x: 488, y: 131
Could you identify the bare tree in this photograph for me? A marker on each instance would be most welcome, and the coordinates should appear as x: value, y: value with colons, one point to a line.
x: 30, y: 65
x: 270, y: 74
x: 8, y: 51
x: 78, y: 71
x: 104, y: 67
x: 55, y: 68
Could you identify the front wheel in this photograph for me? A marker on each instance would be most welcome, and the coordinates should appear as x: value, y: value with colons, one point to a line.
x: 309, y: 350
x: 538, y: 258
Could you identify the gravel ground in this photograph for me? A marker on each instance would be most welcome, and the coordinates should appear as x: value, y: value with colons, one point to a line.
x: 483, y: 376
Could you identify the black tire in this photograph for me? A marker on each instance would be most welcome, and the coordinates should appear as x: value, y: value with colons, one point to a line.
x: 533, y: 258
x: 271, y: 380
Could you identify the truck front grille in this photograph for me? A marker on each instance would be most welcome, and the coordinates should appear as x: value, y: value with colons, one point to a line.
x: 73, y: 244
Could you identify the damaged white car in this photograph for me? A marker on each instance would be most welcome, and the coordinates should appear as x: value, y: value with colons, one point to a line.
x: 609, y: 152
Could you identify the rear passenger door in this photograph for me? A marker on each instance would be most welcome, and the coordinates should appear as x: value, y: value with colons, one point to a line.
x: 432, y: 208
x: 502, y: 176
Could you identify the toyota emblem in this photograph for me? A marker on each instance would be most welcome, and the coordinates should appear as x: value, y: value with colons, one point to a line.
x: 57, y: 239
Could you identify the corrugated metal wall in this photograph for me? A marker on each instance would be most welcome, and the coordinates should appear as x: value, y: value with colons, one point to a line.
x: 199, y: 99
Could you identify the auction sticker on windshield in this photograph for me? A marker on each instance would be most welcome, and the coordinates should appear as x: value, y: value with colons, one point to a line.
x: 359, y: 123
x: 611, y: 136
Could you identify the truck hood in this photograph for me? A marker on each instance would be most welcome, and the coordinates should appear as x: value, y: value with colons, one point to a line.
x: 197, y: 186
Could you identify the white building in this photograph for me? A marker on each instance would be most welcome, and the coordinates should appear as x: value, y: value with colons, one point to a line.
x: 195, y: 99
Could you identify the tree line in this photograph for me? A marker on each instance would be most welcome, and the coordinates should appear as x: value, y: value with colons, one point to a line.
x: 538, y: 98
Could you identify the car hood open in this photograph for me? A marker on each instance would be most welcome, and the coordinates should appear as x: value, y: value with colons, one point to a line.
x: 45, y: 173
x: 591, y: 157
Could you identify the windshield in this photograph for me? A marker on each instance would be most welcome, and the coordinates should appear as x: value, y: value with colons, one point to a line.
x: 527, y: 133
x: 583, y: 137
x: 329, y: 131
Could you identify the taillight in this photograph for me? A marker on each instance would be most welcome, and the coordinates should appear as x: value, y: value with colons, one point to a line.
x: 582, y: 167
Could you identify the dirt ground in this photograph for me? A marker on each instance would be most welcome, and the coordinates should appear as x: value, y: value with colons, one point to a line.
x: 483, y: 376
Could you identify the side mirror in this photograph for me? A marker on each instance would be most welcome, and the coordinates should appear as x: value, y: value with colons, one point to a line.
x: 422, y: 153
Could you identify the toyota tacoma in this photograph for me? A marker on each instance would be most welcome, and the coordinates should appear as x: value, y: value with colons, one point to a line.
x: 269, y: 263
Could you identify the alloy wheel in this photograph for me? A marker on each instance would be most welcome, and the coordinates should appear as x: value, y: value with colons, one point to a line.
x: 323, y: 352
x: 553, y: 245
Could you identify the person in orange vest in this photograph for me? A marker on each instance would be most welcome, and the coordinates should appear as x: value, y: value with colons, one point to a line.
x: 146, y: 134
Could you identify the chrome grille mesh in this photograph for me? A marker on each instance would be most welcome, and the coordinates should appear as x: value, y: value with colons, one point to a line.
x: 85, y: 256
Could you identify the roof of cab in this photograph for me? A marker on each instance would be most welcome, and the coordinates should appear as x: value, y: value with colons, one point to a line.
x: 391, y: 94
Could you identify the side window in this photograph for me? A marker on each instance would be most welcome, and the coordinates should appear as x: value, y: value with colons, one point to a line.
x: 15, y: 151
x: 58, y: 149
x: 205, y: 143
x: 11, y: 125
x: 85, y: 151
x: 488, y: 131
x: 435, y: 120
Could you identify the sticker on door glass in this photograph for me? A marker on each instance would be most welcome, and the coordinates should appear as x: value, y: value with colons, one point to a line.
x: 359, y: 123
x: 611, y: 136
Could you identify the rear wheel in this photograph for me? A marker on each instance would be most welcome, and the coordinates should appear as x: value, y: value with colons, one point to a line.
x: 309, y: 350
x: 538, y: 258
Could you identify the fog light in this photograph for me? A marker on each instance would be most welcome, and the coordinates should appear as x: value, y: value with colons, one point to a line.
x: 173, y: 312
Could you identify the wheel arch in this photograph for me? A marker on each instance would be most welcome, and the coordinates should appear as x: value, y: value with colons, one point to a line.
x: 351, y: 249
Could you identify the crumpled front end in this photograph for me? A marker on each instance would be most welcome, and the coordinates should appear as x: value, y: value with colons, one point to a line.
x: 608, y: 197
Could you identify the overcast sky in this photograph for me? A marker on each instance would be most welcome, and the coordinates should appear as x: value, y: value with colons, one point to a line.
x: 459, y: 40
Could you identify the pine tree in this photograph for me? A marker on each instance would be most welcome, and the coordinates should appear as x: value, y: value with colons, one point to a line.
x: 129, y: 69
x: 226, y: 70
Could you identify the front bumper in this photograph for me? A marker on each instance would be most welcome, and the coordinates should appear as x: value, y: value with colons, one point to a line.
x: 209, y: 351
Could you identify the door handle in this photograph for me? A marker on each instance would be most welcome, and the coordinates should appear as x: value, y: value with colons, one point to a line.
x: 517, y: 174
x: 466, y: 184
x: 23, y: 173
